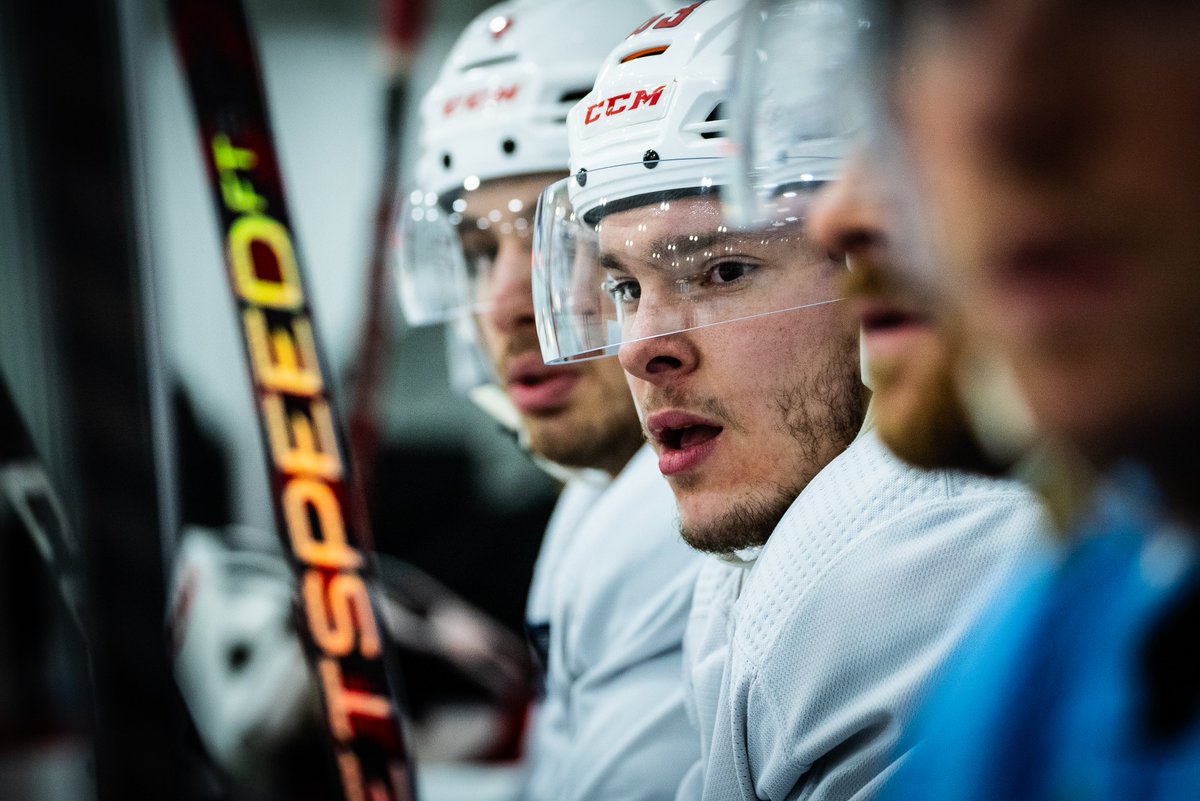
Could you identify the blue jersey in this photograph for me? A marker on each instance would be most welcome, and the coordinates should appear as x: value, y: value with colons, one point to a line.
x: 1050, y: 701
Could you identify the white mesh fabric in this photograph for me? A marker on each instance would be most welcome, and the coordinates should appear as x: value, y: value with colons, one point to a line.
x: 869, y: 581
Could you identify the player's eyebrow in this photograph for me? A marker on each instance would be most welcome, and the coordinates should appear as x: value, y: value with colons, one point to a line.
x: 679, y: 246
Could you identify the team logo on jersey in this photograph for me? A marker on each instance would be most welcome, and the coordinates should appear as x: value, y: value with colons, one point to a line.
x: 480, y: 99
x: 628, y: 108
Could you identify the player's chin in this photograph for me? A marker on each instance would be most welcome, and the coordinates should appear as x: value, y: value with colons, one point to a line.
x: 723, y: 522
x: 930, y: 430
x: 555, y: 436
x: 897, y: 402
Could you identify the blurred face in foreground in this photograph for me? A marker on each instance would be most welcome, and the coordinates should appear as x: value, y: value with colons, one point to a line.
x: 579, y: 415
x: 1057, y: 143
x: 742, y: 414
x: 911, y: 339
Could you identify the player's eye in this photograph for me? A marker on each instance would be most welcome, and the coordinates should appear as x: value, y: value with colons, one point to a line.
x: 623, y: 291
x: 728, y: 272
x: 480, y: 253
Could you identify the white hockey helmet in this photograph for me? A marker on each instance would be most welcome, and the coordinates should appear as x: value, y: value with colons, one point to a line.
x: 238, y: 661
x: 653, y: 136
x: 498, y: 110
x: 781, y: 121
x: 798, y: 101
x: 673, y: 73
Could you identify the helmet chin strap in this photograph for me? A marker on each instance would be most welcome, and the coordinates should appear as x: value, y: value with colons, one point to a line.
x: 492, y: 400
x: 864, y: 366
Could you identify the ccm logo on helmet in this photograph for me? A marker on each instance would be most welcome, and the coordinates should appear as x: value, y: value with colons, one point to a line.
x: 619, y: 104
x: 477, y: 100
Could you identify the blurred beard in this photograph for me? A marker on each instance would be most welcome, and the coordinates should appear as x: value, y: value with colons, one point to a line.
x: 604, y: 442
x: 599, y: 429
x: 938, y: 435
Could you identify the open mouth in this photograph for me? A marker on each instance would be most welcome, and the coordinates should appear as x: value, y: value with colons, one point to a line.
x: 535, y: 388
x: 688, y: 436
x: 890, y: 318
x: 532, y: 380
x: 1050, y: 278
x: 684, y: 440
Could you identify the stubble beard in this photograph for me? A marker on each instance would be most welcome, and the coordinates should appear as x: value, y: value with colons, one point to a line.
x: 604, y: 441
x: 604, y: 437
x: 821, y: 416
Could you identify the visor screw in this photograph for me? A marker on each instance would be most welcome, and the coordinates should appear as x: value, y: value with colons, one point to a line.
x: 509, y: 146
x: 581, y: 177
x: 650, y: 159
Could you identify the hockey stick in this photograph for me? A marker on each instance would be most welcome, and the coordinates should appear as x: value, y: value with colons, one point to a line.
x: 402, y: 27
x: 313, y: 494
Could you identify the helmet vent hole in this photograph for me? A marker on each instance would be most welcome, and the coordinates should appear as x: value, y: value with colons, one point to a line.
x: 446, y: 160
x: 509, y: 146
x: 574, y: 95
x: 238, y: 657
x: 716, y: 115
x: 649, y: 51
x: 488, y: 62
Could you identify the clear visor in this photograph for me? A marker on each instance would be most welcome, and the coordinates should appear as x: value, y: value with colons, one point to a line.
x: 797, y: 99
x: 447, y: 246
x: 431, y: 272
x: 466, y: 365
x: 666, y: 262
x: 472, y: 375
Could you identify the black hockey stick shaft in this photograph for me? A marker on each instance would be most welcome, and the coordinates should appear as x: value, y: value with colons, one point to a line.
x: 402, y: 25
x: 314, y: 497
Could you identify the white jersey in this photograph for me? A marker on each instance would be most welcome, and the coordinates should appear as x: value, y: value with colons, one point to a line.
x: 804, y: 666
x: 611, y: 593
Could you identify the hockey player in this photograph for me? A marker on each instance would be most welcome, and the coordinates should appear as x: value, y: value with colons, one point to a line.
x: 1055, y: 142
x: 611, y: 590
x: 844, y: 576
x: 912, y: 339
x: 939, y: 400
